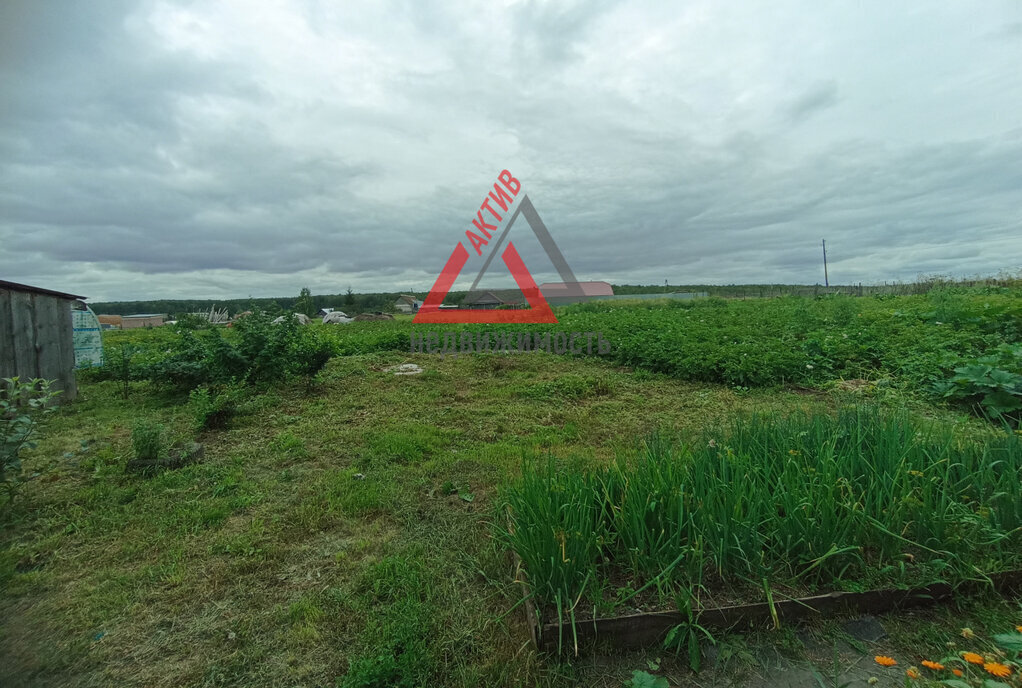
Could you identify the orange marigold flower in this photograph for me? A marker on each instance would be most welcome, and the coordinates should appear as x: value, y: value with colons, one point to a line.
x: 936, y: 666
x: 884, y: 661
x: 957, y: 672
x: 997, y: 669
x: 913, y: 673
x: 972, y: 658
x: 1018, y: 628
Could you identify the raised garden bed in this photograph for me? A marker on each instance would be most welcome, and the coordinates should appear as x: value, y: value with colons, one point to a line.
x: 635, y: 631
x: 800, y: 504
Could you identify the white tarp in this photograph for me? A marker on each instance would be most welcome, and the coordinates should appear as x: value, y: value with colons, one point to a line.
x: 300, y: 317
x: 88, y: 338
x: 337, y: 318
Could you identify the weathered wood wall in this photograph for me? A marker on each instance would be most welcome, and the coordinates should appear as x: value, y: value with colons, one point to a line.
x: 37, y: 340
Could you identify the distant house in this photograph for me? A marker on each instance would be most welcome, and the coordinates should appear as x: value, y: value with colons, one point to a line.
x: 325, y: 311
x: 407, y: 304
x: 110, y: 322
x: 562, y: 293
x: 497, y: 298
x: 132, y: 322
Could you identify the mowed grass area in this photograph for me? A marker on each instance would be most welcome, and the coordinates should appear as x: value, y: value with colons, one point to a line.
x: 340, y: 534
x: 271, y: 563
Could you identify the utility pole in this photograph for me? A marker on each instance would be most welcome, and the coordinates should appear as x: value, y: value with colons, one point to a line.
x: 826, y: 279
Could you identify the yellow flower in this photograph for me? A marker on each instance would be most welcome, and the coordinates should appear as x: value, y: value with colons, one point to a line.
x: 884, y: 661
x: 997, y: 669
x: 967, y: 633
x: 872, y: 680
x: 936, y: 666
x: 972, y: 658
x: 913, y: 673
x: 1018, y: 628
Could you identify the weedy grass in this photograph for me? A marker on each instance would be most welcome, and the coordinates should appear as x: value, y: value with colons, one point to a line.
x: 912, y: 342
x: 803, y: 500
x: 340, y: 532
x: 213, y: 572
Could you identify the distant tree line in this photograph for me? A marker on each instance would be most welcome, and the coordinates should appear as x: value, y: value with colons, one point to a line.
x: 307, y: 303
x: 352, y: 303
x: 921, y: 285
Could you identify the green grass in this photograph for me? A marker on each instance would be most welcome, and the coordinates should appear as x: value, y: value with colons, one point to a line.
x: 806, y: 501
x: 908, y: 342
x: 198, y: 569
x: 326, y: 538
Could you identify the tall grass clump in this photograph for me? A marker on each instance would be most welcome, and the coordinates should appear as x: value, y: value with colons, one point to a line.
x: 148, y: 439
x: 802, y: 500
x: 555, y: 524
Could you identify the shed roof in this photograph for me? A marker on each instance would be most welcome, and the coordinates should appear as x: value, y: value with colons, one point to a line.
x: 554, y: 289
x: 494, y: 297
x: 14, y: 286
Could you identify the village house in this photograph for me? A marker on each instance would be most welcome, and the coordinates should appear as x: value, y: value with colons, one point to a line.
x: 132, y: 322
x: 407, y: 304
x: 560, y: 293
x: 110, y: 322
x: 497, y: 298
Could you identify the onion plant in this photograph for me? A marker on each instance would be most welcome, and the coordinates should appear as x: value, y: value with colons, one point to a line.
x: 817, y: 500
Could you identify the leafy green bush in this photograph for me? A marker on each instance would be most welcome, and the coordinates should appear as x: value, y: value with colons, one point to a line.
x: 644, y: 679
x: 762, y: 342
x: 991, y: 384
x: 148, y: 439
x: 213, y: 407
x: 23, y: 409
x: 258, y: 352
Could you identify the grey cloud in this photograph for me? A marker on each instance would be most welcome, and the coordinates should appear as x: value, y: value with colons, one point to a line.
x: 815, y: 99
x: 138, y: 169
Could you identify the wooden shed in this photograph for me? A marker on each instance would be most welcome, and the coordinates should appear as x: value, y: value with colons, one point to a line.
x: 36, y: 336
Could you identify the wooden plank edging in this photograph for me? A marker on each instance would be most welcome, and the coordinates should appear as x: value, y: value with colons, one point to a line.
x: 635, y: 631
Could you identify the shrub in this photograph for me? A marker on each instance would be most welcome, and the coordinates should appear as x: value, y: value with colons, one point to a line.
x: 23, y: 409
x: 213, y: 407
x: 259, y: 353
x: 185, y: 366
x: 148, y: 439
x: 991, y: 384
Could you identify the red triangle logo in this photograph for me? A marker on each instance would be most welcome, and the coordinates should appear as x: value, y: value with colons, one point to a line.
x: 430, y: 312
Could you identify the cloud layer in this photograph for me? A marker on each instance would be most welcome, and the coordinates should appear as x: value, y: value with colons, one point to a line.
x: 161, y: 150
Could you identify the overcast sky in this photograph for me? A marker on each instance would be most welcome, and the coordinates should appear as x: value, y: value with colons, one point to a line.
x: 233, y: 149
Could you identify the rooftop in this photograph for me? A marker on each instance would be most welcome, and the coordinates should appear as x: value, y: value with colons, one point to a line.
x: 595, y: 288
x: 14, y: 286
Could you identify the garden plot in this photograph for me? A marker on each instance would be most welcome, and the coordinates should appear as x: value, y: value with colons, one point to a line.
x: 768, y: 508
